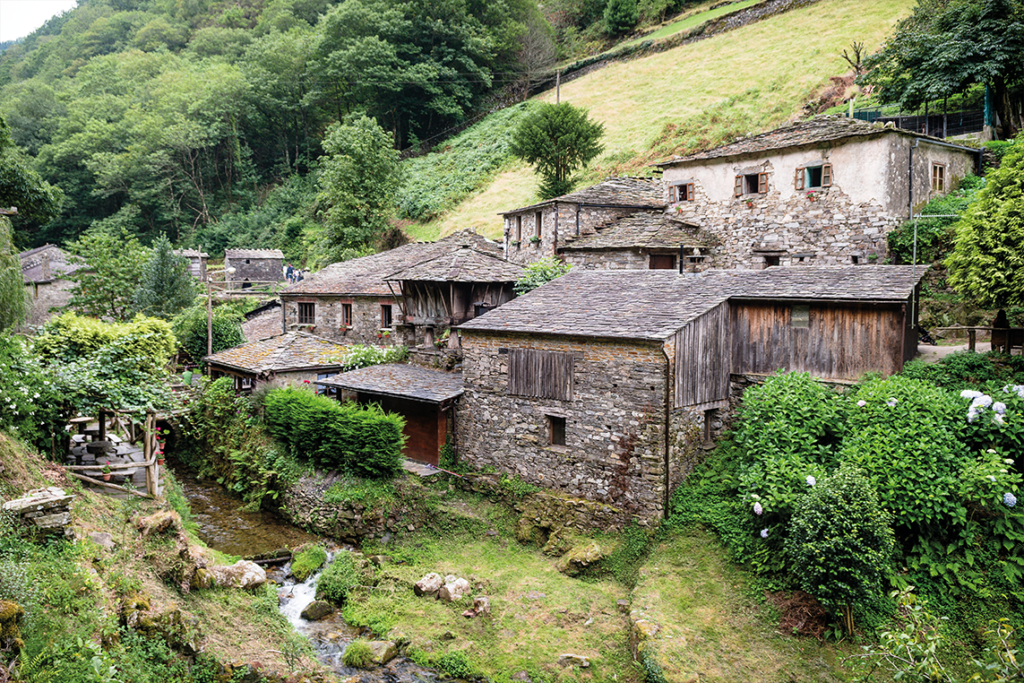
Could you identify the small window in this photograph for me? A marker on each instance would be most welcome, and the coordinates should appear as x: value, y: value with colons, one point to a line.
x: 938, y: 177
x: 814, y: 177
x: 245, y: 384
x: 556, y: 427
x: 855, y: 260
x: 247, y: 261
x: 751, y: 183
x: 307, y: 313
x: 385, y: 315
x: 770, y: 261
x: 346, y: 315
x: 680, y: 193
x: 519, y: 228
x: 539, y: 222
x: 662, y: 262
x: 326, y: 391
x: 710, y: 416
x: 800, y: 316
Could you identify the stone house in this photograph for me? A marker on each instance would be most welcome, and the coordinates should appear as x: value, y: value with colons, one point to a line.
x: 450, y: 289
x: 43, y: 271
x: 352, y: 303
x: 196, y: 262
x: 254, y: 266
x: 286, y: 359
x: 426, y: 398
x: 604, y: 384
x: 820, y: 192
x: 539, y: 230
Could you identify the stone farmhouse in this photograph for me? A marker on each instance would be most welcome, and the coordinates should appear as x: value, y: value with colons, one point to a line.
x: 351, y: 302
x: 605, y: 384
x: 254, y: 265
x: 820, y: 192
x: 43, y: 271
x: 282, y: 360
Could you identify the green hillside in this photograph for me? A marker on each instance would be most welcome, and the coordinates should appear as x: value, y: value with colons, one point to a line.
x: 746, y: 80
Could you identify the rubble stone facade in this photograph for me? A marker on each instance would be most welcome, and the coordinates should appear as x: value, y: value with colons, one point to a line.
x: 329, y: 318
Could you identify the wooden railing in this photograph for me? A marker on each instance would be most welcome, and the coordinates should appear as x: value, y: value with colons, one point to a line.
x: 1005, y: 338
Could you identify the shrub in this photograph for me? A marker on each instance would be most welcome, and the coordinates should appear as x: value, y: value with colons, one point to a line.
x: 190, y: 329
x: 338, y: 579
x: 149, y: 342
x: 358, y: 655
x: 362, y: 356
x: 934, y: 235
x: 842, y: 541
x: 307, y: 561
x: 541, y: 272
x: 361, y: 440
x: 455, y: 664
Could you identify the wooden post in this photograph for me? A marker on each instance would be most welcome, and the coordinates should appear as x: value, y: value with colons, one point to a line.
x: 147, y: 452
x: 103, y: 425
x: 971, y: 336
x: 558, y: 87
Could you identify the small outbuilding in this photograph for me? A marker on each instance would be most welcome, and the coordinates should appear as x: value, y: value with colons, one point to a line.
x: 426, y: 398
x: 44, y: 271
x: 254, y: 266
x: 196, y: 262
x: 286, y: 359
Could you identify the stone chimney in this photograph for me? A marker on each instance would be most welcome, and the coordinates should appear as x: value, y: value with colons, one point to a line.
x: 45, y: 260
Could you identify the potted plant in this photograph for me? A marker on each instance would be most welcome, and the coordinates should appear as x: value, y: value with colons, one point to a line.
x: 534, y: 240
x: 749, y: 203
x: 812, y: 196
x: 514, y: 243
x: 106, y: 471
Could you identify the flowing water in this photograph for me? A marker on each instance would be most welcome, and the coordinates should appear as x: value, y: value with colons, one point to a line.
x: 224, y: 528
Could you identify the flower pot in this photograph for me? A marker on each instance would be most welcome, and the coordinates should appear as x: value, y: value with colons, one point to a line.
x: 160, y: 461
x: 106, y: 476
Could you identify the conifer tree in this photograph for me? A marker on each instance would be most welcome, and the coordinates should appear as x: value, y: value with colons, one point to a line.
x: 620, y: 16
x: 167, y: 287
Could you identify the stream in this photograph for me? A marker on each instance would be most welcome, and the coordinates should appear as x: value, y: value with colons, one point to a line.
x: 223, y: 527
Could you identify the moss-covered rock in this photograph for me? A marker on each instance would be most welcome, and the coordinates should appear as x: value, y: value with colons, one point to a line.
x: 577, y: 560
x: 10, y: 631
x: 307, y: 560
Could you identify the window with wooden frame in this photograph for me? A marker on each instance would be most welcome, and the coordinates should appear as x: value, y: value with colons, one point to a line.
x: 683, y: 192
x: 538, y: 223
x: 385, y: 316
x: 938, y: 177
x: 519, y: 228
x: 540, y: 374
x: 556, y: 430
x: 800, y: 316
x: 307, y: 313
x: 751, y: 183
x: 817, y: 176
x: 346, y: 315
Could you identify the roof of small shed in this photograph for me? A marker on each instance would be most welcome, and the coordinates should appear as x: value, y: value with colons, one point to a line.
x: 404, y: 381
x: 191, y: 253
x: 61, y: 264
x: 365, y: 276
x: 465, y: 264
x: 654, y: 304
x: 289, y: 351
x: 254, y: 253
x: 626, y: 192
x: 643, y: 230
x: 816, y: 131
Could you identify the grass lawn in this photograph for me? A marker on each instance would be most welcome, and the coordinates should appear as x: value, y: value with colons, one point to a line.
x: 693, y: 19
x: 743, y: 81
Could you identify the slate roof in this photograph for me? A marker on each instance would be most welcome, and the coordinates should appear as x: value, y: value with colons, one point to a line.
x: 289, y: 351
x: 815, y: 132
x: 253, y: 253
x: 643, y: 230
x: 365, y: 276
x: 626, y: 192
x: 654, y: 304
x: 191, y: 253
x: 405, y: 381
x: 464, y: 264
x: 60, y: 264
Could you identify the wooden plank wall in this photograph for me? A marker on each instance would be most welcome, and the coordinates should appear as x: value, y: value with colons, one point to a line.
x: 703, y: 359
x: 540, y: 374
x: 842, y: 341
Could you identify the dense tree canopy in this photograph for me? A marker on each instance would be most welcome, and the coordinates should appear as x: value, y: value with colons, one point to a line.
x: 988, y: 255
x: 557, y: 139
x: 945, y: 46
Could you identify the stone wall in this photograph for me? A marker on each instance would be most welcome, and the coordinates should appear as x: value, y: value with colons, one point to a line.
x: 46, y: 297
x: 558, y: 226
x: 366, y: 318
x: 614, y: 424
x: 607, y: 260
x: 255, y: 269
x: 46, y: 512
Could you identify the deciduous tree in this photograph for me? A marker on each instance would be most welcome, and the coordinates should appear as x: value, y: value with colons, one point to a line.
x: 557, y: 139
x: 113, y: 264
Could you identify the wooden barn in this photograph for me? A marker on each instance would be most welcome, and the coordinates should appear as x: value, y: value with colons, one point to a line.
x: 424, y: 397
x: 604, y: 384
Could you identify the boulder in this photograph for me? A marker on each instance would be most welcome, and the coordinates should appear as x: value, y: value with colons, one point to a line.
x: 383, y: 651
x: 242, y: 574
x: 10, y: 631
x: 159, y: 522
x: 454, y: 590
x: 103, y: 540
x: 317, y: 610
x: 573, y: 660
x: 428, y: 585
x: 481, y: 605
x: 202, y: 579
x: 577, y: 560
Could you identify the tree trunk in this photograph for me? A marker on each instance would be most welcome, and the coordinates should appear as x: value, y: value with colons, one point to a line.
x: 1008, y: 124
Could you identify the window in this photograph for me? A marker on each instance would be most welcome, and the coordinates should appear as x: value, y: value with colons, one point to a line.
x: 855, y: 260
x: 307, y: 313
x: 751, y: 183
x: 662, y: 262
x: 710, y: 416
x: 519, y: 228
x: 938, y: 177
x: 540, y: 374
x: 813, y: 177
x: 322, y: 390
x: 244, y: 384
x: 385, y: 315
x: 346, y: 315
x: 539, y: 216
x: 556, y: 428
x: 770, y: 261
x: 680, y: 193
x: 800, y: 316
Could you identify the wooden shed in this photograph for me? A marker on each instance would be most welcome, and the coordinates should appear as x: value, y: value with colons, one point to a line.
x: 425, y: 398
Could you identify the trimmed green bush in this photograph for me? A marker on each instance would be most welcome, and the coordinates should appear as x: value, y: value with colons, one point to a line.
x: 69, y: 337
x: 361, y: 440
x: 358, y: 655
x: 338, y: 579
x: 307, y: 561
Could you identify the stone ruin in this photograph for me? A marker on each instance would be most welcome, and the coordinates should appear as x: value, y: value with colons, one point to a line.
x: 46, y: 512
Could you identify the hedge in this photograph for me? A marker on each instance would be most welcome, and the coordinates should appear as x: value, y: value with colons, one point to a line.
x: 359, y: 439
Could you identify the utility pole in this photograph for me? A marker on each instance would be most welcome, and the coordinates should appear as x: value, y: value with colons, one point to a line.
x: 558, y: 87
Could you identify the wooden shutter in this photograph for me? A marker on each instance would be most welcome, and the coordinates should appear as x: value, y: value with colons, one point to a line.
x: 673, y: 194
x: 689, y: 192
x: 798, y: 179
x: 540, y: 374
x: 762, y: 183
x: 738, y: 190
x: 826, y: 175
